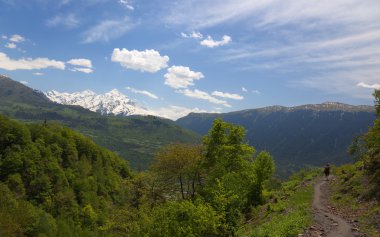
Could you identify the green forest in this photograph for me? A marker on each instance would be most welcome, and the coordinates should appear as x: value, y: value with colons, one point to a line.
x: 56, y: 182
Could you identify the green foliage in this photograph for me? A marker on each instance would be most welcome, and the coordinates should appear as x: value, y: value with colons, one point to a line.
x: 177, y: 219
x: 367, y: 148
x: 50, y: 173
x: 352, y: 193
x: 288, y: 212
x: 56, y: 182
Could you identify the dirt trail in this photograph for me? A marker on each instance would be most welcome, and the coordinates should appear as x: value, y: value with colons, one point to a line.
x: 326, y: 222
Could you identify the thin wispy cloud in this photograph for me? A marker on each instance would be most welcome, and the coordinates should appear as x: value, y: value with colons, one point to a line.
x: 107, y: 30
x: 142, y: 92
x: 227, y: 95
x: 369, y: 86
x: 202, y: 95
x: 67, y: 21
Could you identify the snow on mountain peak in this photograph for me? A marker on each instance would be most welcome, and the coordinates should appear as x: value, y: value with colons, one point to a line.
x: 112, y: 102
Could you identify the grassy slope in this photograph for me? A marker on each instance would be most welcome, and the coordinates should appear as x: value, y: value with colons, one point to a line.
x: 351, y: 193
x: 288, y: 211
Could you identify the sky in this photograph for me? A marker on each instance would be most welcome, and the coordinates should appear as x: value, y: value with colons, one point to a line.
x: 176, y: 57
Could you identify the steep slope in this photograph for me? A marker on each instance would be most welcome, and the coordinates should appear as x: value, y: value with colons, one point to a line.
x: 54, y: 180
x: 134, y: 138
x: 296, y: 136
x: 113, y: 102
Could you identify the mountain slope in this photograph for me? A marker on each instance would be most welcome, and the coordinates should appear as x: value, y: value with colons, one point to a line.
x: 56, y: 182
x: 134, y: 138
x: 296, y: 136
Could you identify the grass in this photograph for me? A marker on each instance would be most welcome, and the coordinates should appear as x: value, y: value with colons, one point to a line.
x: 288, y: 212
x: 351, y: 194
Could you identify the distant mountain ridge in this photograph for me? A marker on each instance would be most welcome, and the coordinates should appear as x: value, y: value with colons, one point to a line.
x: 113, y: 102
x: 296, y: 136
x: 134, y: 138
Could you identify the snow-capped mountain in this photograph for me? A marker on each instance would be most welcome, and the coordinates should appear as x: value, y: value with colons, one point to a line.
x: 113, y: 102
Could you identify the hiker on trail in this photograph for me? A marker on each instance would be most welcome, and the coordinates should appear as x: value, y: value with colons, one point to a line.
x: 327, y: 171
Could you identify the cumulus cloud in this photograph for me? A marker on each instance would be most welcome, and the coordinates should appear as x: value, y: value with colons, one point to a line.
x: 369, y: 86
x: 257, y: 92
x: 227, y: 95
x: 81, y: 62
x: 148, y: 60
x: 67, y: 21
x: 181, y: 77
x: 17, y: 38
x: 38, y: 73
x: 81, y: 65
x: 193, y: 34
x: 244, y: 89
x: 198, y: 94
x: 24, y: 82
x: 143, y: 92
x: 11, y: 45
x: 28, y: 63
x: 107, y: 30
x: 211, y: 43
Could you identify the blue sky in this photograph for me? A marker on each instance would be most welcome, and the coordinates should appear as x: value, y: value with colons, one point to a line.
x: 196, y: 55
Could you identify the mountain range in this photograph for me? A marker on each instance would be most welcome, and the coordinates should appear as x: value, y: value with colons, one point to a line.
x: 113, y: 102
x: 134, y: 138
x: 307, y: 135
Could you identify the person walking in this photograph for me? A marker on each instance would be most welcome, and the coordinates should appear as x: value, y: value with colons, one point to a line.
x: 327, y: 171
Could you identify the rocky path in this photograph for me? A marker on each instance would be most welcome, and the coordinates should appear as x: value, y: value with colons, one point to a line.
x: 326, y: 221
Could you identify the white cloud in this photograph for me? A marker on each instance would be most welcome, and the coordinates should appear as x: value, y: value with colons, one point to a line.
x: 198, y: 94
x: 143, y: 92
x: 369, y: 86
x: 11, y: 45
x: 81, y: 65
x: 107, y: 30
x: 175, y: 112
x: 24, y: 82
x: 38, y: 73
x: 81, y: 62
x: 198, y: 14
x: 211, y: 43
x: 193, y: 34
x: 82, y: 69
x: 181, y: 77
x: 17, y: 38
x: 4, y: 37
x: 148, y: 60
x: 227, y: 95
x: 127, y: 4
x: 67, y: 21
x: 257, y: 92
x: 28, y: 63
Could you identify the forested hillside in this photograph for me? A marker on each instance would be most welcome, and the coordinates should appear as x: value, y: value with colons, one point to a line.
x: 134, y: 138
x: 56, y: 182
x: 296, y: 136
